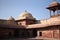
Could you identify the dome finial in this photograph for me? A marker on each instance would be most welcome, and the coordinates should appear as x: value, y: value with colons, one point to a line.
x: 25, y: 10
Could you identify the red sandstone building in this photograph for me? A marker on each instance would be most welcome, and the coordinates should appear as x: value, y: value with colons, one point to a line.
x: 27, y: 26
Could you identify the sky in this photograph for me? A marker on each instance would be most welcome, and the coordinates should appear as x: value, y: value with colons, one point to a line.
x: 15, y: 7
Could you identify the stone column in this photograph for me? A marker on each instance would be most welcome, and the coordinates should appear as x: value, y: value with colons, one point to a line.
x: 57, y: 12
x: 12, y: 33
x: 59, y: 33
x: 50, y: 13
x: 30, y: 33
x: 52, y: 33
x: 38, y: 35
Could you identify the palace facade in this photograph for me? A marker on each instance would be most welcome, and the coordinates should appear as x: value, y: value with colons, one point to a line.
x: 27, y: 26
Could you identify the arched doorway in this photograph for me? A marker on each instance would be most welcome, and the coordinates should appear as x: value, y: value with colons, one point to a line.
x: 25, y: 34
x: 34, y: 32
x: 40, y: 33
x: 16, y: 33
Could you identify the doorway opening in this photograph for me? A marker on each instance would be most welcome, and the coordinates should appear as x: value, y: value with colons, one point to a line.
x: 10, y: 34
x: 34, y: 32
x: 40, y: 33
x: 16, y: 33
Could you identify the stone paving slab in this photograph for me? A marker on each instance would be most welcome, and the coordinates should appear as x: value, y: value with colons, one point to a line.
x: 30, y: 39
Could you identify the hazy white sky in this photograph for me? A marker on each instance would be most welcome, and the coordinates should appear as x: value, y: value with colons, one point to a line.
x: 15, y: 7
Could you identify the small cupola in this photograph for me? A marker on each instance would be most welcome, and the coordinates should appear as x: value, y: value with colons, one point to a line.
x: 54, y: 8
x: 10, y: 18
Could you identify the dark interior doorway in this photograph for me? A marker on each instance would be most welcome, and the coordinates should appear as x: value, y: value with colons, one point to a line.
x: 25, y: 34
x: 34, y: 32
x: 16, y: 33
x: 40, y: 33
x: 10, y: 34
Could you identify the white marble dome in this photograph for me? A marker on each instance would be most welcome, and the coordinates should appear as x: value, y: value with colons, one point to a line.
x: 25, y: 15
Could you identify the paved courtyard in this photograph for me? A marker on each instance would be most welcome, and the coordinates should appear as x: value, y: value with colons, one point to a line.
x: 30, y: 39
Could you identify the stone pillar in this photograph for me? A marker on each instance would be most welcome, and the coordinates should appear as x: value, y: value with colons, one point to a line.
x: 57, y: 11
x: 30, y: 33
x: 50, y: 13
x: 12, y: 34
x: 38, y: 35
x: 59, y: 33
x: 53, y: 34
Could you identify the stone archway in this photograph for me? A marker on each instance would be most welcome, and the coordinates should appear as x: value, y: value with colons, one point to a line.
x: 16, y: 33
x: 34, y: 32
x: 25, y: 34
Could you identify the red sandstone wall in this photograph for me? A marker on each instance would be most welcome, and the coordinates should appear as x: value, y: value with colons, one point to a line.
x: 22, y: 23
x: 29, y: 22
x: 47, y: 33
x: 5, y: 32
x: 56, y: 34
x: 26, y: 22
x: 59, y: 33
x: 50, y: 33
